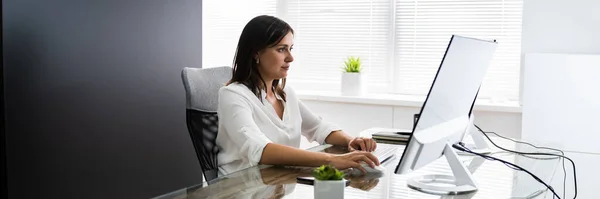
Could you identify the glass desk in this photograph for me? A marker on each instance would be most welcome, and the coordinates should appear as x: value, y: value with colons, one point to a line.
x: 494, y: 179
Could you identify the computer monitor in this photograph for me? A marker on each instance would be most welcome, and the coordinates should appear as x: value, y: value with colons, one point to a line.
x: 445, y: 116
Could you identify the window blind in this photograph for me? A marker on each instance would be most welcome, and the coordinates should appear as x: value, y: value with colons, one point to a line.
x: 401, y: 42
x: 328, y: 32
x: 424, y: 28
x: 222, y: 25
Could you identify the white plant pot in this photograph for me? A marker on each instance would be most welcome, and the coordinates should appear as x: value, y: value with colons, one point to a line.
x: 352, y: 84
x: 329, y: 189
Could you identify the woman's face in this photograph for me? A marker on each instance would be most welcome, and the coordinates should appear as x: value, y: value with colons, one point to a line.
x: 274, y: 62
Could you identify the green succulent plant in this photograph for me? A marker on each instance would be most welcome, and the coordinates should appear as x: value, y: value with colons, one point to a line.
x: 328, y: 172
x: 352, y: 65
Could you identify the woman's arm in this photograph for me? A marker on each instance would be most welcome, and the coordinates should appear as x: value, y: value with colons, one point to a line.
x: 315, y: 129
x: 277, y: 154
x: 354, y: 143
x: 338, y: 138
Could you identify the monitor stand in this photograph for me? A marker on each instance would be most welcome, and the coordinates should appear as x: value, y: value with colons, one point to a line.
x: 461, y: 182
x: 480, y: 144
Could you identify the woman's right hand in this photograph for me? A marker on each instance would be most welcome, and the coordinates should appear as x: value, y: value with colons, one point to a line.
x: 353, y: 159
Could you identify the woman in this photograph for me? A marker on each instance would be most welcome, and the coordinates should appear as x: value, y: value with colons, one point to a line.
x: 261, y: 120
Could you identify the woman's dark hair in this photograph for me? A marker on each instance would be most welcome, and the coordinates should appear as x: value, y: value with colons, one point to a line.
x: 260, y: 33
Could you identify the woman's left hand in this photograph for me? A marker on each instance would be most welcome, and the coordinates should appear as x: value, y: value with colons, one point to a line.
x: 362, y: 144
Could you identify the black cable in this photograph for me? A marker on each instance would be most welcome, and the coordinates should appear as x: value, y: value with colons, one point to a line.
x: 564, y: 177
x: 510, y: 165
x: 520, y: 153
x: 546, y: 154
x: 520, y: 142
x: 547, y: 148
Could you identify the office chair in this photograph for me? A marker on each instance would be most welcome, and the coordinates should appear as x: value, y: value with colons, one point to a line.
x: 202, y: 97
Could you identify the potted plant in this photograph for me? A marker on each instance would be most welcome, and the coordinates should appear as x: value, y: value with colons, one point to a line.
x: 352, y: 77
x: 329, y: 182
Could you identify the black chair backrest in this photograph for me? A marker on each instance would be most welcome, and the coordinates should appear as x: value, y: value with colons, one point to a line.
x: 203, y: 129
x: 201, y: 88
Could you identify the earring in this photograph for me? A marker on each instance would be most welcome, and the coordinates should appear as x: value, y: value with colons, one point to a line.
x: 257, y: 61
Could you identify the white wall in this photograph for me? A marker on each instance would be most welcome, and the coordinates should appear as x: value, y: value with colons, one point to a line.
x: 572, y: 27
x: 560, y: 26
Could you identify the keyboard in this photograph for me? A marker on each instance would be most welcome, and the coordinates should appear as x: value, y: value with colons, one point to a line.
x: 383, y: 152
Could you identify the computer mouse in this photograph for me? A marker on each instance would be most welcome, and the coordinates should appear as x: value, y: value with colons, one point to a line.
x: 377, y: 171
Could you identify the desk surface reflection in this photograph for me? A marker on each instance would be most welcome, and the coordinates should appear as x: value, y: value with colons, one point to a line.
x: 494, y: 180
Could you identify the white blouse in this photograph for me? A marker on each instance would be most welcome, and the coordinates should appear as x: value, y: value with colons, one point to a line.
x: 246, y: 125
